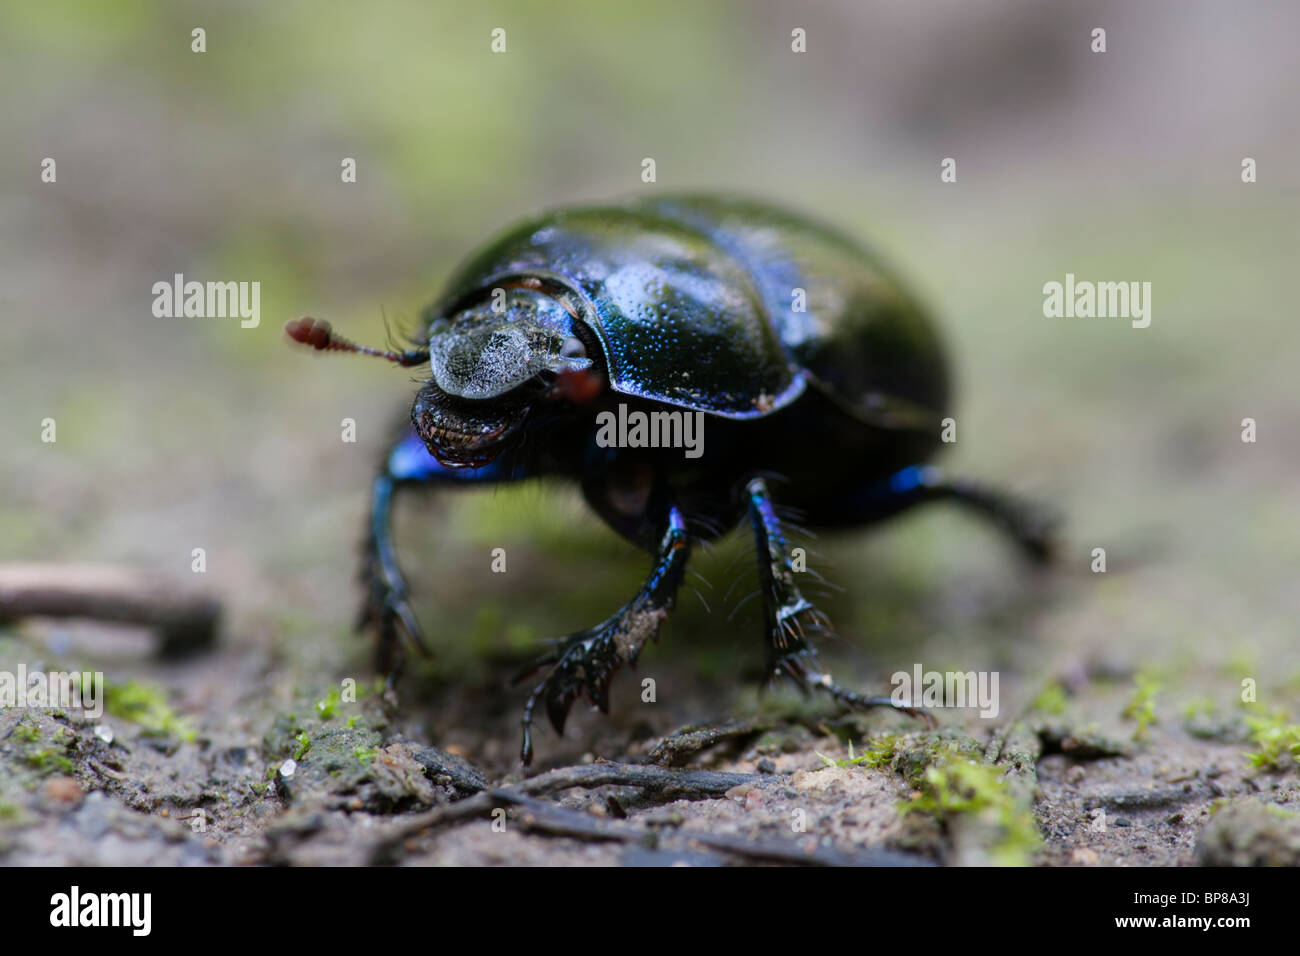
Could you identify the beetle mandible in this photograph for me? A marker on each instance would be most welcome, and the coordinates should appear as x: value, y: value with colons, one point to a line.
x: 683, y: 304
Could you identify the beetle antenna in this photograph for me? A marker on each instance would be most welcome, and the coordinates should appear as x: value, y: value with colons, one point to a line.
x: 319, y: 335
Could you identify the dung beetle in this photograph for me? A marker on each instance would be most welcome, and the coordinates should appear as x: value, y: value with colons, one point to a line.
x: 820, y: 384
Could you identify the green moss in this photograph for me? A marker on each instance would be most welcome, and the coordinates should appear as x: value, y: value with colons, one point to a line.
x: 48, y: 760
x: 365, y: 754
x: 957, y: 785
x: 27, y: 733
x: 954, y: 782
x: 45, y: 756
x: 328, y: 708
x: 304, y: 745
x: 1141, y: 706
x: 880, y: 753
x: 916, y: 754
x: 1277, y: 743
x: 1051, y: 699
x: 331, y: 705
x: 146, y: 705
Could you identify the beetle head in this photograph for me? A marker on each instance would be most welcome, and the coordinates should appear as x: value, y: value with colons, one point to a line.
x: 490, y: 363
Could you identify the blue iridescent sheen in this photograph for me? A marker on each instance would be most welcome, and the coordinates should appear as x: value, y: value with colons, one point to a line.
x: 409, y: 460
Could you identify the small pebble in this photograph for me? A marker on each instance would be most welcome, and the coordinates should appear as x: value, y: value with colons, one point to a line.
x: 1122, y: 822
x: 104, y: 733
x: 766, y: 765
x: 288, y: 768
x: 64, y: 790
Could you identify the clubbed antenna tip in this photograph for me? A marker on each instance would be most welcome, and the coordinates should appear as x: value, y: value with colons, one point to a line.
x: 318, y: 334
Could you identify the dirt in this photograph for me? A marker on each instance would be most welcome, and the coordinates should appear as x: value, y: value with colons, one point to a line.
x: 335, y: 781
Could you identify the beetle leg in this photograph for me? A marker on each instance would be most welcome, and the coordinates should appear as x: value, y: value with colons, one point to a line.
x: 1030, y: 525
x: 386, y: 606
x: 790, y: 617
x: 386, y: 597
x: 583, y: 664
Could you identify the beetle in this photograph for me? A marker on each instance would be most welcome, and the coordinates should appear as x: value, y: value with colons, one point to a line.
x: 820, y: 382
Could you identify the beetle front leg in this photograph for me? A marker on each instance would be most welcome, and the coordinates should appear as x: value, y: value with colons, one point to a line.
x: 583, y: 664
x: 408, y: 465
x: 386, y: 594
x: 790, y: 618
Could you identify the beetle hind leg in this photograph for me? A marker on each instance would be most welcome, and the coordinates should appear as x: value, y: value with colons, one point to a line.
x: 791, y: 619
x: 1033, y: 527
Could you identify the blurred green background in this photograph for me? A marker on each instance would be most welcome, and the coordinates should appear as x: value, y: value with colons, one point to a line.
x: 225, y: 165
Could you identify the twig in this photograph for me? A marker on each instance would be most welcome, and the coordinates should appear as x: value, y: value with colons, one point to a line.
x: 543, y: 817
x: 805, y: 854
x: 691, y: 740
x: 686, y: 783
x: 185, y: 619
x: 680, y: 783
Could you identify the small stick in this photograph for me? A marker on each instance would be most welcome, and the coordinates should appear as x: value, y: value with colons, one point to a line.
x: 691, y: 740
x: 689, y: 783
x: 186, y: 621
x: 540, y: 816
x: 684, y: 783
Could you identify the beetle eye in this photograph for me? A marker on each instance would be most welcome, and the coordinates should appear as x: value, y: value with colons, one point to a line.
x: 573, y: 348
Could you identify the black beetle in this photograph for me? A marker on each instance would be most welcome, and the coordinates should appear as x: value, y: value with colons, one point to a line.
x: 814, y: 372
